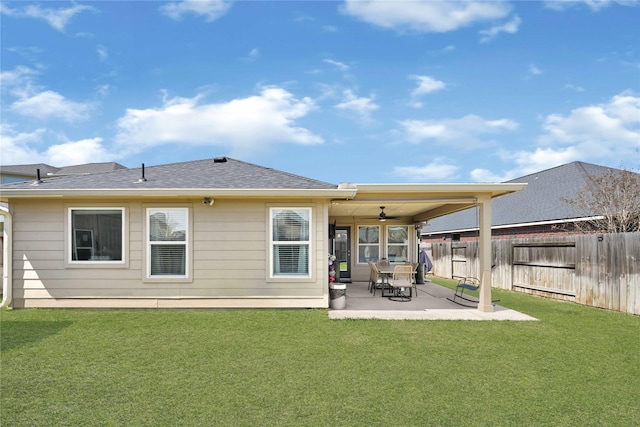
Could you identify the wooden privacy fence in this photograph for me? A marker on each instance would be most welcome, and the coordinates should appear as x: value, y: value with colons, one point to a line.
x: 597, y: 270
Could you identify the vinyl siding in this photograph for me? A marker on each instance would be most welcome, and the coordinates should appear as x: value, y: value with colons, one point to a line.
x: 229, y: 258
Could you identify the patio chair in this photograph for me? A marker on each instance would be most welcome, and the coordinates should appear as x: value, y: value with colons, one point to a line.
x: 376, y: 281
x: 401, y: 280
x: 374, y: 278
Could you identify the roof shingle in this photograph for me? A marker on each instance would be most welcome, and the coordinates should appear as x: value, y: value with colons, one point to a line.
x: 222, y: 173
x: 541, y: 200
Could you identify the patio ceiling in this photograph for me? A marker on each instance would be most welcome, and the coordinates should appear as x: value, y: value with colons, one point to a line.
x: 414, y: 203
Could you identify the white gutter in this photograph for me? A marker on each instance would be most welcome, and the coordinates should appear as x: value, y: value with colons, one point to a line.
x: 176, y: 192
x: 7, y: 255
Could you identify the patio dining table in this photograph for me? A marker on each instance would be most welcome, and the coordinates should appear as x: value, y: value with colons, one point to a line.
x: 386, y: 271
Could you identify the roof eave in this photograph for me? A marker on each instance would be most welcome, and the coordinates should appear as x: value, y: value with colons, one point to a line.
x: 494, y: 189
x: 176, y: 192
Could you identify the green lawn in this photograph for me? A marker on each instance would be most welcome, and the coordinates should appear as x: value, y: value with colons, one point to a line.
x: 577, y: 366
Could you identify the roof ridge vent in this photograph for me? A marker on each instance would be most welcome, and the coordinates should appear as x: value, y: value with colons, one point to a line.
x: 219, y: 160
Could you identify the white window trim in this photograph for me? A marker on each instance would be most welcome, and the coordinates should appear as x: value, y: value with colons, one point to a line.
x: 95, y: 263
x: 407, y: 245
x: 358, y: 244
x: 187, y: 277
x: 309, y: 243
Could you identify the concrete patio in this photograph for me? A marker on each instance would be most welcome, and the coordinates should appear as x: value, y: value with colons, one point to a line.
x: 431, y: 303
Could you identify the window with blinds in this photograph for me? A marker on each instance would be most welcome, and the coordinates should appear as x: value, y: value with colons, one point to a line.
x: 167, y: 241
x: 290, y: 241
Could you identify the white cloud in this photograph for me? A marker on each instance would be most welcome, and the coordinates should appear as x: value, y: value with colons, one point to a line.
x: 17, y: 78
x: 360, y: 107
x: 330, y: 28
x: 533, y: 71
x: 103, y: 53
x: 210, y: 9
x: 528, y: 162
x: 427, y: 85
x: 424, y: 15
x: 436, y: 170
x: 510, y: 27
x: 574, y: 87
x: 463, y: 132
x: 596, y: 133
x: 484, y: 175
x: 253, y: 55
x: 23, y: 148
x: 34, y: 101
x: 103, y: 90
x: 594, y: 5
x: 57, y: 18
x: 50, y: 104
x: 245, y: 125
x: 15, y: 146
x: 339, y: 65
x: 77, y: 152
x: 606, y: 127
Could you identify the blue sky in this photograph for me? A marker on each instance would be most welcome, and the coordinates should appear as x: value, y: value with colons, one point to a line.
x: 354, y: 91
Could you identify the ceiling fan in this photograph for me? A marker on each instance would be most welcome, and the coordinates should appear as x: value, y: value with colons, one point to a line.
x: 383, y: 216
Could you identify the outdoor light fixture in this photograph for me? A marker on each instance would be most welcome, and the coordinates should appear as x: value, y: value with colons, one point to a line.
x: 207, y: 201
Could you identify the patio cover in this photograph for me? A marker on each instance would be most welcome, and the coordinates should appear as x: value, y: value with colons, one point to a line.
x: 419, y: 203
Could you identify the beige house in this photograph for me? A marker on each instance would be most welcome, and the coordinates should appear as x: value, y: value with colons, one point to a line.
x: 214, y: 233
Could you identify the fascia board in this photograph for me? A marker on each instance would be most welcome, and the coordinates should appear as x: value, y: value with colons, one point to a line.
x: 176, y: 192
x: 494, y: 190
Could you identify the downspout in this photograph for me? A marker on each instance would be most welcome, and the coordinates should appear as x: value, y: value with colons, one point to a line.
x: 7, y: 255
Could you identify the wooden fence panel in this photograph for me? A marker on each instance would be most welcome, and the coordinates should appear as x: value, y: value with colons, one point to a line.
x: 595, y: 270
x: 501, y: 263
x: 545, y: 268
x: 632, y: 300
x: 587, y: 270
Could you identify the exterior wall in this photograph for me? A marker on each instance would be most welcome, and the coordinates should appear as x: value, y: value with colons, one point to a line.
x: 230, y: 256
x: 360, y: 272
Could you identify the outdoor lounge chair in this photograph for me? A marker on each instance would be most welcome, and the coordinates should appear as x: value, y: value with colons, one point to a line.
x: 470, y: 284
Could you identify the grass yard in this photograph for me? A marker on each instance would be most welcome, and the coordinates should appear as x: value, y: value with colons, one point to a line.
x: 577, y: 366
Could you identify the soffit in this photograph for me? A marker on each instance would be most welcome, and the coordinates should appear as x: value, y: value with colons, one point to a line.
x: 413, y: 203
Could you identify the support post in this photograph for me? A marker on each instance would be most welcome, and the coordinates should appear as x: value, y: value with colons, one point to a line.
x: 484, y: 202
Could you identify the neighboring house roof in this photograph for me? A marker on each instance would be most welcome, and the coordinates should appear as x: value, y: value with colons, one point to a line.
x: 217, y: 173
x: 30, y: 170
x: 540, y: 202
x: 27, y: 170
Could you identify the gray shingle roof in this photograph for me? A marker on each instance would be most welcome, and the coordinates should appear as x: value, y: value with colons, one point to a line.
x: 30, y: 170
x: 541, y: 200
x: 89, y: 168
x: 222, y: 173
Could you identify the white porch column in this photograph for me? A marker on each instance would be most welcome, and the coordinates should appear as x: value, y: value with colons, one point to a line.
x: 484, y: 246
